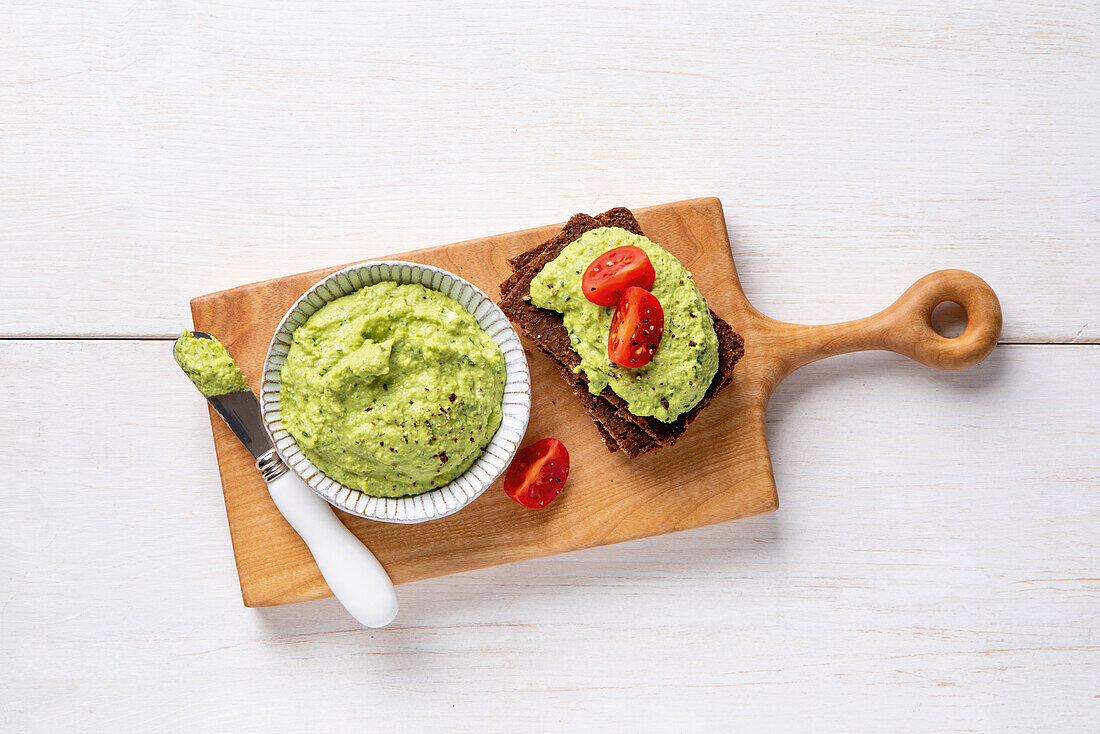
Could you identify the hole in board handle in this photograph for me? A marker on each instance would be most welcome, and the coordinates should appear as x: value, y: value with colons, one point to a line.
x: 949, y: 319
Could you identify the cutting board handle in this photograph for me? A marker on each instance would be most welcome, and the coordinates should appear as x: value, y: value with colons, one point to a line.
x: 904, y: 327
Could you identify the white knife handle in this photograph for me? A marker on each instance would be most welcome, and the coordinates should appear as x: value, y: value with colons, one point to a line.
x: 355, y: 576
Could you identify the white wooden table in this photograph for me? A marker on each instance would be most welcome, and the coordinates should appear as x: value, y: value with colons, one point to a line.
x: 934, y: 564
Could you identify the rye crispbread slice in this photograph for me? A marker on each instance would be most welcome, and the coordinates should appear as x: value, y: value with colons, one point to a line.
x: 620, y: 429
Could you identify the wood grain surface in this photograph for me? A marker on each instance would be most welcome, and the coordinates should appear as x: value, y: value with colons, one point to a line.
x: 933, y: 566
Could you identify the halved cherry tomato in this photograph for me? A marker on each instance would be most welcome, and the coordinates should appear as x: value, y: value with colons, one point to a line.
x: 537, y: 473
x: 610, y: 274
x: 636, y: 328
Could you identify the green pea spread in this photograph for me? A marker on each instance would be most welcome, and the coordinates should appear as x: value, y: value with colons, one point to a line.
x: 393, y: 390
x: 685, y: 363
x: 209, y: 365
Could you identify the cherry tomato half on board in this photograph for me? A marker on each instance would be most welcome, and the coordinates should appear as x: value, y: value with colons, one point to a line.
x: 537, y: 473
x: 610, y: 274
x: 636, y: 329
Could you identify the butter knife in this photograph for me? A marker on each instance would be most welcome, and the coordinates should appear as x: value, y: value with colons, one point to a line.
x: 355, y: 576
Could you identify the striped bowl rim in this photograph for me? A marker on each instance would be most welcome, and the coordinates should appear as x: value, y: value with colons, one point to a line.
x: 475, y: 480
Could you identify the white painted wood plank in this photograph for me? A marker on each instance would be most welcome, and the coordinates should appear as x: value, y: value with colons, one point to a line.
x: 933, y: 567
x: 157, y: 151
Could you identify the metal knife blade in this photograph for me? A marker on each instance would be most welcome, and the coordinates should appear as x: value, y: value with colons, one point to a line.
x: 241, y: 412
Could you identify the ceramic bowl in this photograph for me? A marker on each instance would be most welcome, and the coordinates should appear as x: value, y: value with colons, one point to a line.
x: 498, y: 454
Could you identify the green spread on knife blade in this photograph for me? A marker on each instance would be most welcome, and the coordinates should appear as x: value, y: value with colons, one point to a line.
x: 209, y: 365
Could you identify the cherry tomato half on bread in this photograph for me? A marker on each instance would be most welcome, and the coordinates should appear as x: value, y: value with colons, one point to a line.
x: 537, y: 473
x: 610, y: 274
x: 636, y: 328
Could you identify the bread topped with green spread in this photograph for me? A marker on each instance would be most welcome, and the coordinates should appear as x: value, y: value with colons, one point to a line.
x: 635, y: 411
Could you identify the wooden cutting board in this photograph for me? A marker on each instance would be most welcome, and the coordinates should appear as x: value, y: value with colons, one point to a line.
x: 719, y: 470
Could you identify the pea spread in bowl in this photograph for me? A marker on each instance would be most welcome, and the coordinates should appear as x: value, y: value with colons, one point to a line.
x: 684, y: 365
x: 393, y: 390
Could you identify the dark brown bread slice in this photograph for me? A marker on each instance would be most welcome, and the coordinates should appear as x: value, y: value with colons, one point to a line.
x: 552, y: 340
x: 609, y: 411
x: 530, y: 263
